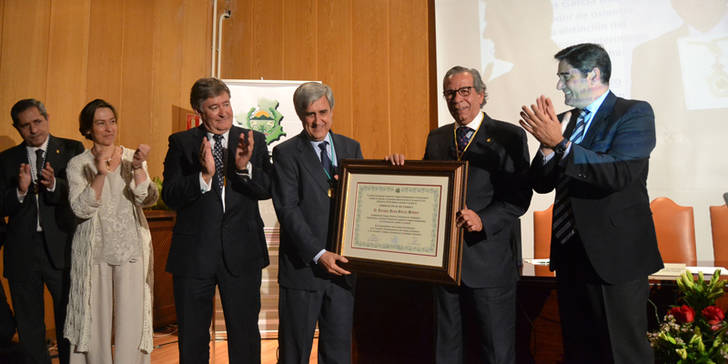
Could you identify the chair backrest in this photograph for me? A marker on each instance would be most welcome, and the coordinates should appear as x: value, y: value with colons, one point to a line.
x: 542, y: 232
x: 675, y: 227
x: 719, y: 227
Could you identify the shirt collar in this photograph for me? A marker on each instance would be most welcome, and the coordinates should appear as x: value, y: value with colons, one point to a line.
x: 210, y: 137
x: 475, y: 124
x: 315, y: 143
x: 329, y: 149
x: 594, y: 106
x: 43, y: 146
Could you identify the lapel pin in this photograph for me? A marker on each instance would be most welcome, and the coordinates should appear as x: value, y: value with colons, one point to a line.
x: 488, y: 140
x: 58, y: 151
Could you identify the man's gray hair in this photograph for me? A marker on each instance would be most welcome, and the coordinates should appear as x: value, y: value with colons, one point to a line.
x: 309, y: 92
x: 478, y: 83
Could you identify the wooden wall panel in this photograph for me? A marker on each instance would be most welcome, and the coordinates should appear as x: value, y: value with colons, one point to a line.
x: 165, y: 76
x: 67, y: 65
x: 266, y: 54
x: 370, y: 70
x: 408, y: 82
x: 2, y: 11
x: 137, y: 85
x: 236, y: 62
x: 196, y: 42
x: 105, y: 50
x: 23, y: 58
x: 298, y: 48
x: 335, y: 50
x: 376, y: 55
x: 143, y: 57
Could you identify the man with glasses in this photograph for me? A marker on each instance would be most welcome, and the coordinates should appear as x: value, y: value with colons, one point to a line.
x: 498, y: 193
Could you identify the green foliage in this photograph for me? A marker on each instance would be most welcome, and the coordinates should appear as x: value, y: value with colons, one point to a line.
x: 160, y: 205
x: 700, y: 294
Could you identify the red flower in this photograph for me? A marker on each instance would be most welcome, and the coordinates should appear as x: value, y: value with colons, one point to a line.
x: 714, y: 316
x: 683, y: 313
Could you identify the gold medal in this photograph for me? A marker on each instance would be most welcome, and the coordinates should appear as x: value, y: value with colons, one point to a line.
x: 330, y: 192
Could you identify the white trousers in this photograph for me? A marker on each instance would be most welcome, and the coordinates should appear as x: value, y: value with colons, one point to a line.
x: 117, y: 302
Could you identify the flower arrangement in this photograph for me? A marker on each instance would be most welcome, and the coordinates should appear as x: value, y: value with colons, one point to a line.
x: 694, y: 332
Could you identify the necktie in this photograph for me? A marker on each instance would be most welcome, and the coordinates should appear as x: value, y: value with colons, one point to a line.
x: 563, y: 219
x: 578, y: 134
x: 38, y: 166
x: 463, y: 134
x: 217, y: 154
x: 325, y: 160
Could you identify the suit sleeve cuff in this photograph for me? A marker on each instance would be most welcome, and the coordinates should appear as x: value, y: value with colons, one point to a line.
x: 204, y: 186
x: 21, y: 197
x: 247, y: 172
x: 318, y: 256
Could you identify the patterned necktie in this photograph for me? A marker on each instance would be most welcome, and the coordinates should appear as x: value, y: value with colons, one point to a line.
x: 563, y: 218
x: 325, y: 160
x: 38, y: 165
x: 463, y: 134
x: 217, y: 154
x: 578, y: 134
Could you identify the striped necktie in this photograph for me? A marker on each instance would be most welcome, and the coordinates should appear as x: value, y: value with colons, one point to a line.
x: 563, y: 218
x: 578, y: 134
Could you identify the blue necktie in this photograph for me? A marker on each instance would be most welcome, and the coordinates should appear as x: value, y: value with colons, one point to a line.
x: 563, y: 218
x: 325, y: 160
x: 217, y: 154
x: 463, y: 134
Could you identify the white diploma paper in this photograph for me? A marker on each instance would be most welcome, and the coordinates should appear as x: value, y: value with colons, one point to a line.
x: 396, y: 218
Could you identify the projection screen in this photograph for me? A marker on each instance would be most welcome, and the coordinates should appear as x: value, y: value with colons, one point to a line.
x: 673, y: 54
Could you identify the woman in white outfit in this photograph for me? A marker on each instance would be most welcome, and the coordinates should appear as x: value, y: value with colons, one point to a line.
x: 111, y: 256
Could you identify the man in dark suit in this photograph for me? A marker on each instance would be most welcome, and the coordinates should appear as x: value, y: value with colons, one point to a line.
x: 214, y: 176
x: 7, y: 321
x: 498, y: 193
x: 9, y: 353
x: 313, y: 287
x: 603, y: 244
x: 40, y: 226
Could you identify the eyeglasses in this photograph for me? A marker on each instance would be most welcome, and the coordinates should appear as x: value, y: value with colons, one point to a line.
x: 463, y: 91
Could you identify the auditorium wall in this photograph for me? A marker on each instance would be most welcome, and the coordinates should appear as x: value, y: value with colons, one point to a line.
x: 143, y: 56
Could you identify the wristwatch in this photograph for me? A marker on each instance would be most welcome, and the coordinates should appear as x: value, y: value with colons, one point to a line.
x: 561, y: 147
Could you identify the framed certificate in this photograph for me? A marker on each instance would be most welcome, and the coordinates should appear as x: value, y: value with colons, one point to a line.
x: 399, y: 221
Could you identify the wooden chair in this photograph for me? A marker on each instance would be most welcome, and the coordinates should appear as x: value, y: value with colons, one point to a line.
x: 542, y: 232
x: 719, y: 227
x: 675, y: 227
